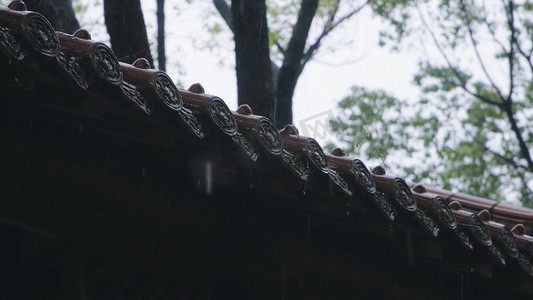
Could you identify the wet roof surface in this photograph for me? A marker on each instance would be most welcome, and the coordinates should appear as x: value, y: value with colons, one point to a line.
x: 79, y: 64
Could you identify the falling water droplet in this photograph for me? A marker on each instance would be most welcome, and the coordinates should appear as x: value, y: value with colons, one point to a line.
x: 208, y: 178
x: 251, y: 185
x: 309, y: 227
x: 304, y: 190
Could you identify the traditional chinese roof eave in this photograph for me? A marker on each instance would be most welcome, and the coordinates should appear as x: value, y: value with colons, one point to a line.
x: 74, y: 81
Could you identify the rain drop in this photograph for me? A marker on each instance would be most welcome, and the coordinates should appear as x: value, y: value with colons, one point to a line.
x: 208, y: 178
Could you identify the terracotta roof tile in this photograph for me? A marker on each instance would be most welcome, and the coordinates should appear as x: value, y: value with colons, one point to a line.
x: 27, y: 40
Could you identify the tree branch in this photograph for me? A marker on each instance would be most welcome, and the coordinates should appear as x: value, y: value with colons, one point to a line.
x: 330, y: 26
x: 514, y: 40
x: 224, y: 9
x: 295, y: 49
x: 524, y: 182
x: 454, y: 70
x: 521, y: 142
x: 525, y: 55
x: 508, y: 160
x: 509, y: 103
x: 161, y: 51
x: 492, y: 32
x: 476, y: 51
x: 327, y: 28
x: 291, y: 67
x: 280, y: 48
x: 511, y: 56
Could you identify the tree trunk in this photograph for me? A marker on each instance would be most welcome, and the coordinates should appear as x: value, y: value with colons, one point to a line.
x: 161, y: 55
x: 253, y: 66
x: 58, y: 12
x: 125, y: 24
x: 292, y: 63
